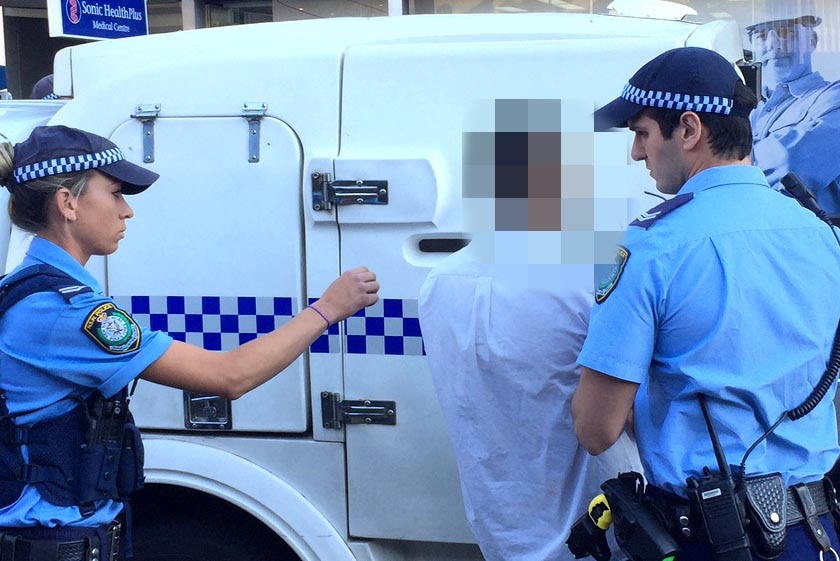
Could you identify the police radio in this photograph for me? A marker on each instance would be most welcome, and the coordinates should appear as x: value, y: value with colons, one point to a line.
x: 718, y: 501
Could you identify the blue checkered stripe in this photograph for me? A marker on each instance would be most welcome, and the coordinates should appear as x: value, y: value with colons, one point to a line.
x: 680, y: 102
x: 389, y: 327
x: 51, y: 95
x: 68, y: 164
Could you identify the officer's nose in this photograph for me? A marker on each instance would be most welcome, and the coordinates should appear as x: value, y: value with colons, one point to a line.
x: 637, y: 151
x: 128, y: 212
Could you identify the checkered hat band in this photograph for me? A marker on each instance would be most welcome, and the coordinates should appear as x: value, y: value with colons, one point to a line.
x: 68, y: 164
x: 680, y: 102
x: 51, y: 95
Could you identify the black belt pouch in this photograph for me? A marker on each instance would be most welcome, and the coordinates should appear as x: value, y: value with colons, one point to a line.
x: 765, y: 504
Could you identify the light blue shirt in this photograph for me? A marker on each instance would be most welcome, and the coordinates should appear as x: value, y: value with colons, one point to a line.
x: 797, y: 129
x: 502, y: 341
x: 732, y: 295
x: 45, y: 356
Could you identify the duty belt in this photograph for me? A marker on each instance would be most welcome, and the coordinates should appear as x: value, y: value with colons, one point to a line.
x: 67, y: 543
x: 802, y: 502
x: 822, y: 502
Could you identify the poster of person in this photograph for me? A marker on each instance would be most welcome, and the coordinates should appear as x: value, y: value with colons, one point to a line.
x: 796, y: 126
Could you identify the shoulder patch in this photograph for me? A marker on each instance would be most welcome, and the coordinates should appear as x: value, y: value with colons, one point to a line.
x: 112, y: 329
x: 647, y: 219
x: 606, y: 286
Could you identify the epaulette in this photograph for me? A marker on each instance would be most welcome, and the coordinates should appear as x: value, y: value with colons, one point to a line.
x: 647, y: 219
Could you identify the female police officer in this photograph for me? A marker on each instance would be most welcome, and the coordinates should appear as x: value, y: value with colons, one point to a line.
x: 69, y: 453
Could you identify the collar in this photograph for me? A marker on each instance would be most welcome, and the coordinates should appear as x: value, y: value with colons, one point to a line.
x: 802, y: 85
x: 706, y: 179
x: 44, y: 251
x: 724, y: 175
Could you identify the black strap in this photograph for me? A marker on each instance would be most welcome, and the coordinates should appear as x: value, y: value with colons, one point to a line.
x: 31, y: 280
x: 38, y: 278
x: 812, y: 521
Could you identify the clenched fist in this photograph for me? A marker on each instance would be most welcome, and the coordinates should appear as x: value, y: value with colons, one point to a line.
x: 352, y: 291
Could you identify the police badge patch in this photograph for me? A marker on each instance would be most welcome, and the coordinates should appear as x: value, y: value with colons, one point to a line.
x: 112, y: 329
x: 606, y: 286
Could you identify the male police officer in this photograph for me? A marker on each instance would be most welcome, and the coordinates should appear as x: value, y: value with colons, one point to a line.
x: 725, y: 292
x: 796, y: 126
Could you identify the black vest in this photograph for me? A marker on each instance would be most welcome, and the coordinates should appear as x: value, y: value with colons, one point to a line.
x: 92, y: 452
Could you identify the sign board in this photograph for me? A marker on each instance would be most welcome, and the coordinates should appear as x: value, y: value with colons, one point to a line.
x: 97, y: 19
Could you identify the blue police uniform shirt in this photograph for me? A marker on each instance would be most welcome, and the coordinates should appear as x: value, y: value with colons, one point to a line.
x: 732, y: 295
x: 46, y: 356
x: 797, y: 129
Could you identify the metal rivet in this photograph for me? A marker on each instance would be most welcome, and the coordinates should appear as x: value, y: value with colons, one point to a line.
x: 360, y: 200
x: 774, y: 517
x: 383, y: 192
x: 684, y: 520
x: 368, y: 420
x: 94, y: 551
x: 686, y: 532
x: 359, y: 182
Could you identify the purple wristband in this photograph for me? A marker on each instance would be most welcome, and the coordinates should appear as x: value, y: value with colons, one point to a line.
x: 320, y: 313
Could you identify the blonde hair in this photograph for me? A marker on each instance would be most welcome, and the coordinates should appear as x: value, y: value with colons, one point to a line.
x: 28, y: 202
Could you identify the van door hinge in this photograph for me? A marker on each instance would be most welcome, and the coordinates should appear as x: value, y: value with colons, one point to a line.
x: 336, y: 413
x: 253, y: 113
x: 326, y: 192
x: 146, y: 114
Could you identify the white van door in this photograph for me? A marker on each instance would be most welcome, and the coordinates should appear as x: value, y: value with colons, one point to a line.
x: 213, y: 256
x: 406, y: 135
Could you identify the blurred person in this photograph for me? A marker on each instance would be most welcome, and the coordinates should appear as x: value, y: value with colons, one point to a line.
x: 502, y: 342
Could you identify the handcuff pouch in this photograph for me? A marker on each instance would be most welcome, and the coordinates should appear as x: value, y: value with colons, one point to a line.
x: 765, y: 497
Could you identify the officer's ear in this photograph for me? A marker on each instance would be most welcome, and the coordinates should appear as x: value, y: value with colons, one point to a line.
x: 690, y: 130
x: 65, y: 203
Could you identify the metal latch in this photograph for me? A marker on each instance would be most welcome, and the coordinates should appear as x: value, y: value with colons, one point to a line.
x: 326, y: 192
x: 147, y: 113
x: 253, y: 113
x: 335, y: 413
x: 207, y: 412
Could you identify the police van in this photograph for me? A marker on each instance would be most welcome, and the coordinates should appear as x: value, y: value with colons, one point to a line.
x: 289, y: 152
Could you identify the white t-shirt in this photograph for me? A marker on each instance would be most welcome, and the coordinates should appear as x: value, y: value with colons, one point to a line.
x: 502, y: 343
